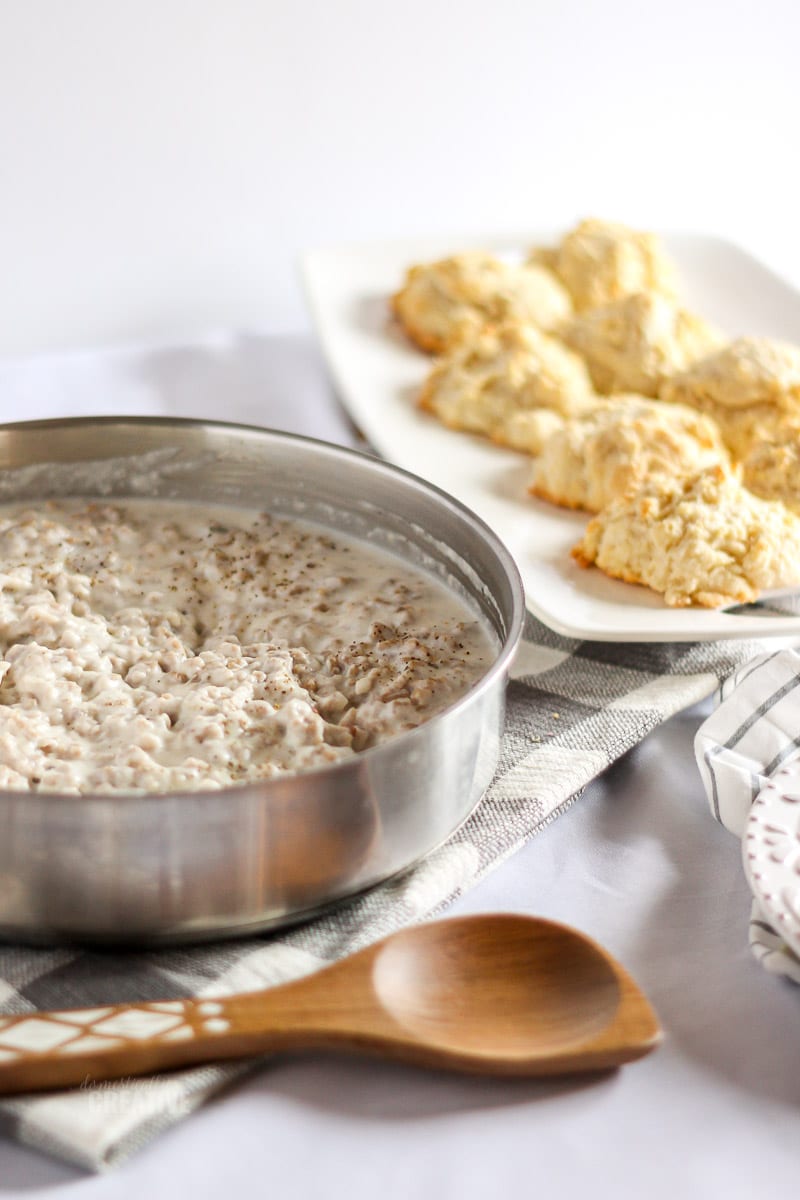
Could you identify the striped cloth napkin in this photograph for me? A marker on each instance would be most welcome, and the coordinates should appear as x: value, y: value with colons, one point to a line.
x: 754, y: 731
x: 574, y: 707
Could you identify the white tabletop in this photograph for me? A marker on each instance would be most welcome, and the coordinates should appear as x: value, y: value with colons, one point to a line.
x: 637, y: 862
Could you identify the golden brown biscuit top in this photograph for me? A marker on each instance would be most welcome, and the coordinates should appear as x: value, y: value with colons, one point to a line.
x: 619, y: 444
x: 633, y: 344
x: 439, y: 299
x: 748, y: 371
x: 602, y: 261
x: 698, y: 540
x: 772, y: 467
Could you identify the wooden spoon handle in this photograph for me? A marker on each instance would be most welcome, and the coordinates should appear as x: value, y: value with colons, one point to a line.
x: 63, y: 1049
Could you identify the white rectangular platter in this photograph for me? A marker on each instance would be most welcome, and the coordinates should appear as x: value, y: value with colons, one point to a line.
x: 378, y: 374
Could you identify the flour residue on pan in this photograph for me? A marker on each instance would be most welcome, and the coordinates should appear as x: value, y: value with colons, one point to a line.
x: 137, y: 474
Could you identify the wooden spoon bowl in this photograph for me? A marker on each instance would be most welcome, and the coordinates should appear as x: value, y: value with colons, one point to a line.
x: 546, y: 989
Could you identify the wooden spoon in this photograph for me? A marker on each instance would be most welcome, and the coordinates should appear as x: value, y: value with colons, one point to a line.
x: 494, y: 994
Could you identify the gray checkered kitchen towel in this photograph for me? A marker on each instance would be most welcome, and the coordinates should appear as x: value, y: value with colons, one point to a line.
x: 574, y: 707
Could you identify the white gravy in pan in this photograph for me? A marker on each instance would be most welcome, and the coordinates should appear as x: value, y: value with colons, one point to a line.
x: 149, y: 646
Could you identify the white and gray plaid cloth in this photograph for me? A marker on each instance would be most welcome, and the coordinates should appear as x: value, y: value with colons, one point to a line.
x: 574, y: 707
x: 753, y: 732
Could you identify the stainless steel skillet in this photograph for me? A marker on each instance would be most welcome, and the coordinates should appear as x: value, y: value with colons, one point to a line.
x: 183, y: 867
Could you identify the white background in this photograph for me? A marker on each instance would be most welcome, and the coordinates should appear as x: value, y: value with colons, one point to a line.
x: 162, y: 163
